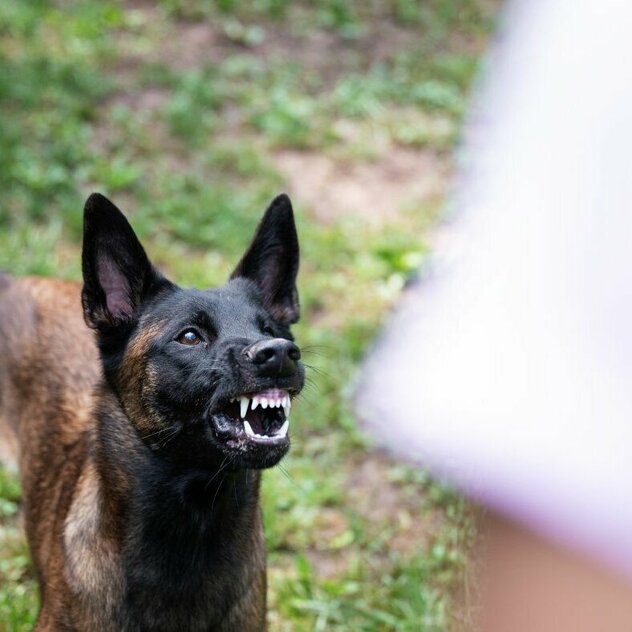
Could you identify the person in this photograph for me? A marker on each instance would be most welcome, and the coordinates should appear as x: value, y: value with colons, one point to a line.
x: 508, y: 365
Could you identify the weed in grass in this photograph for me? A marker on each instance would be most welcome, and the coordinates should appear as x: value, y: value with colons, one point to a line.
x: 191, y: 112
x: 18, y: 592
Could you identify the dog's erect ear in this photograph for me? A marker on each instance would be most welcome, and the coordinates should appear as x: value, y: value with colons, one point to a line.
x: 271, y: 261
x: 117, y: 274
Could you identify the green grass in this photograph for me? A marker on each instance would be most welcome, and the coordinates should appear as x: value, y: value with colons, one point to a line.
x: 94, y: 96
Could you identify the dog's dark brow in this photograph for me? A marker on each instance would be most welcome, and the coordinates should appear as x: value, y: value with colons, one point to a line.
x: 201, y: 318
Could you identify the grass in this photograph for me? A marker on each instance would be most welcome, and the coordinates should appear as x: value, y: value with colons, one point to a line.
x: 115, y: 96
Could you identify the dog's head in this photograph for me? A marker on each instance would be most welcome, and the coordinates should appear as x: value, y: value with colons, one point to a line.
x: 201, y: 374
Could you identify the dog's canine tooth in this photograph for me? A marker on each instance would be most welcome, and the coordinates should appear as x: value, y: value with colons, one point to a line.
x: 287, y: 405
x: 244, y: 406
x: 248, y: 428
x: 282, y: 431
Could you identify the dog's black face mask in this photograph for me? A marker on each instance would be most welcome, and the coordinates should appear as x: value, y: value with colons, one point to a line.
x: 202, y: 374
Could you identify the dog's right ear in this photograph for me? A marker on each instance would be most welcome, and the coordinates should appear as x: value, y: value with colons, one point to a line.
x: 117, y: 275
x: 271, y: 261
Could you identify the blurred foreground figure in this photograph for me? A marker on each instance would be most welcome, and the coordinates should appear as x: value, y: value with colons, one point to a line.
x: 508, y: 368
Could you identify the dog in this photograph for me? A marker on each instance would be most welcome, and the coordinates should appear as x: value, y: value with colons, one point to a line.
x: 140, y: 437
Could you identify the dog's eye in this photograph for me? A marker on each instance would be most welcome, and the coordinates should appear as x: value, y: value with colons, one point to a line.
x: 189, y: 337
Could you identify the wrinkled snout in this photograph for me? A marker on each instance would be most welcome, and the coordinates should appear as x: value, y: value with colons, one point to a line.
x: 274, y: 358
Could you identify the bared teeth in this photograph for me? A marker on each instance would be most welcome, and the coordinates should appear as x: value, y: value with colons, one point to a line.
x: 267, y: 399
x: 273, y: 398
x: 281, y: 433
x: 243, y: 406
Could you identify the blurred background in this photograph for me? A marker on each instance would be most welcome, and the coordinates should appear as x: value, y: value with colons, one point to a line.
x: 191, y: 116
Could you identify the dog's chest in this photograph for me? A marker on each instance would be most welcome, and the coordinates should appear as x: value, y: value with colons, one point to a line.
x: 195, y: 585
x: 171, y: 567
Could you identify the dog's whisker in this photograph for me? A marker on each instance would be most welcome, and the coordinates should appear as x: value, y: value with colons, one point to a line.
x: 305, y: 350
x: 219, y: 471
x: 170, y: 438
x: 310, y: 386
x: 317, y: 370
x: 287, y: 475
x: 221, y: 482
x: 153, y: 434
x: 312, y: 347
x: 235, y: 492
x: 309, y: 398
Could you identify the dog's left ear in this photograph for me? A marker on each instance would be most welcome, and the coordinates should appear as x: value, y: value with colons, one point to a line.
x: 271, y: 261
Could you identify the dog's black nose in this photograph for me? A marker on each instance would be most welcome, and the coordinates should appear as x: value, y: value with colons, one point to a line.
x: 274, y: 358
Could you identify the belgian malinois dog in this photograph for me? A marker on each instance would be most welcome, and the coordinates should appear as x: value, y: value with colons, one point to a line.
x: 140, y: 436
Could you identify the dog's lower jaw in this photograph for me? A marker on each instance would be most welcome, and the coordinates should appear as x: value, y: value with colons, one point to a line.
x: 166, y: 549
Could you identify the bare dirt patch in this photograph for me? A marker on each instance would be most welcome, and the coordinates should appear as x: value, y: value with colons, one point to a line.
x: 395, y: 511
x: 149, y: 100
x: 190, y: 44
x: 375, y: 190
x: 395, y: 506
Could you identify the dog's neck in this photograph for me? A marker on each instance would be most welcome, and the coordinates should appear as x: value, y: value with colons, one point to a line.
x: 175, y: 526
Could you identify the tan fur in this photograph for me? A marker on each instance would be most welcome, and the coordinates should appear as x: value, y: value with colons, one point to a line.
x: 92, y: 574
x: 49, y: 370
x: 138, y: 380
x: 50, y: 384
